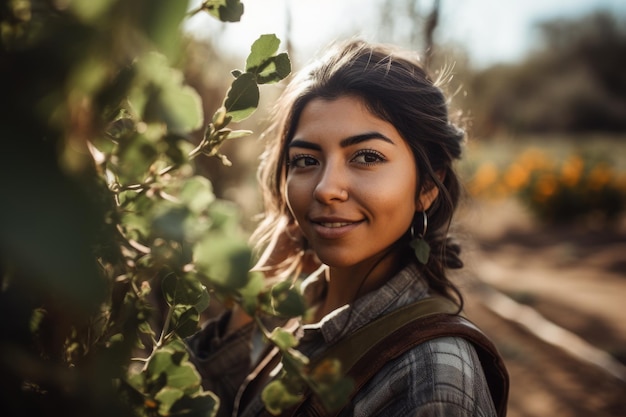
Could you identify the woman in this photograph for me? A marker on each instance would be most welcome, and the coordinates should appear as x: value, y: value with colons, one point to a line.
x: 358, y: 181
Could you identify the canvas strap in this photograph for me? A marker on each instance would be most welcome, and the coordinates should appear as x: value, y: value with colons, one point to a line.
x: 366, y: 351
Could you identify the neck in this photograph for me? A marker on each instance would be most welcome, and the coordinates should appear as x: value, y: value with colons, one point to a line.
x: 345, y: 285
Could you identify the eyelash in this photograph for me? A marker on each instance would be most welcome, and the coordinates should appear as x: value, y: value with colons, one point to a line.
x: 292, y: 162
x: 370, y: 152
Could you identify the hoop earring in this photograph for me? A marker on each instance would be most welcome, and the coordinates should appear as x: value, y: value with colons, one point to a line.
x: 421, y: 248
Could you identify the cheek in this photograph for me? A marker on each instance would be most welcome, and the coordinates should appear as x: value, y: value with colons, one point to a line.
x: 395, y: 208
x: 391, y: 194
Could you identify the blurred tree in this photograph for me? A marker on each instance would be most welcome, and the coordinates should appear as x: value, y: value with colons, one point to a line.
x: 572, y: 83
x: 413, y: 26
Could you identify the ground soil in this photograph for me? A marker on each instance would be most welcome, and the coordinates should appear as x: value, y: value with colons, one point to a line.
x: 571, y: 276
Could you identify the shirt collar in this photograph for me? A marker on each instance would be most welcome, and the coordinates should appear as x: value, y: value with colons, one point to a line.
x: 403, y: 288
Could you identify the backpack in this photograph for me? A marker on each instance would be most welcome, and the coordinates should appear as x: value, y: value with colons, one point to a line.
x: 363, y: 353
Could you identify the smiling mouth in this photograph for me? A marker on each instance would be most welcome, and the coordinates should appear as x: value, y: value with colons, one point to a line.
x: 335, y: 224
x: 334, y: 228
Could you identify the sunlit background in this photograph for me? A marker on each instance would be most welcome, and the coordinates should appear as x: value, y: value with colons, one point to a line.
x: 541, y: 91
x: 489, y: 31
x: 118, y: 223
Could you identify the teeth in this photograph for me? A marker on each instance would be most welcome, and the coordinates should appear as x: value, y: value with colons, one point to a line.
x: 341, y: 224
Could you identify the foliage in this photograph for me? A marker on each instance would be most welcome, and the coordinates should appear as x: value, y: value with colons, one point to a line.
x: 325, y: 379
x: 111, y: 243
x: 580, y: 186
x: 572, y: 82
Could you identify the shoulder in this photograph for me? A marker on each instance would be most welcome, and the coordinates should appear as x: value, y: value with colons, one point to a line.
x: 442, y: 376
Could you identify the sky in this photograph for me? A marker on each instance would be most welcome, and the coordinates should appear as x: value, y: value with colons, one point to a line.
x: 492, y: 31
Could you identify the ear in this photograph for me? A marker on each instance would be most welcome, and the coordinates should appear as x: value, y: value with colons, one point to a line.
x: 426, y: 197
x: 429, y: 194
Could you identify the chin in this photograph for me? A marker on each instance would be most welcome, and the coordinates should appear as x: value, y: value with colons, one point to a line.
x: 334, y: 262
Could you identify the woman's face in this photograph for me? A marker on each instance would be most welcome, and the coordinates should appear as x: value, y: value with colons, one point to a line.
x: 351, y: 182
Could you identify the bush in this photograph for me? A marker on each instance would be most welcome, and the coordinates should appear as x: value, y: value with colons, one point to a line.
x: 111, y: 243
x: 582, y: 186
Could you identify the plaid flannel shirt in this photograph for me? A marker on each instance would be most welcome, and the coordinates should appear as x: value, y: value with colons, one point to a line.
x: 441, y: 377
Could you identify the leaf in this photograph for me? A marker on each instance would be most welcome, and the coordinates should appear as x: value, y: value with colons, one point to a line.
x: 136, y: 154
x: 203, y: 302
x: 328, y: 382
x: 294, y: 362
x: 159, y: 94
x: 236, y: 134
x: 277, y: 397
x: 197, y: 193
x: 178, y: 346
x: 185, y: 321
x: 262, y: 62
x: 137, y: 380
x: 146, y: 329
x: 161, y: 22
x: 225, y: 216
x: 224, y: 10
x: 283, y: 339
x: 166, y: 398
x: 328, y: 371
x: 336, y: 395
x: 250, y: 293
x: 225, y: 260
x: 276, y: 69
x: 185, y: 290
x: 168, y: 222
x: 90, y: 11
x: 178, y: 149
x: 422, y: 250
x: 202, y: 404
x: 182, y: 108
x: 287, y: 300
x: 242, y: 98
x: 36, y: 319
x: 220, y: 119
x: 261, y: 50
x: 182, y: 376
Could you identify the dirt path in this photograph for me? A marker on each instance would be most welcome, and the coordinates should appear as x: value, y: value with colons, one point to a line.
x: 545, y: 381
x: 576, y: 279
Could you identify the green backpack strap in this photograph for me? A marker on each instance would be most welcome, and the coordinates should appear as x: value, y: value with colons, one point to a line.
x: 366, y: 351
x: 352, y: 348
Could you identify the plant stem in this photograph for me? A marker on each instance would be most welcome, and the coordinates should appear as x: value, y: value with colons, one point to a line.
x: 166, y: 325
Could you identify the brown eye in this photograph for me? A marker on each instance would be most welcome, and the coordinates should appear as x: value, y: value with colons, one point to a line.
x: 302, y: 161
x: 368, y: 157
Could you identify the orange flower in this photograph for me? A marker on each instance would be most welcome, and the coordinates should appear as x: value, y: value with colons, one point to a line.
x: 516, y: 177
x: 546, y: 187
x: 534, y: 159
x: 600, y: 176
x: 484, y: 179
x: 572, y: 170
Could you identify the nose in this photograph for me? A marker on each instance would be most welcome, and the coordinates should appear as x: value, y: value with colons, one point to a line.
x: 332, y: 184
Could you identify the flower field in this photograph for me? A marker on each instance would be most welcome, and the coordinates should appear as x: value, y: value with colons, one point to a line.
x: 559, y: 180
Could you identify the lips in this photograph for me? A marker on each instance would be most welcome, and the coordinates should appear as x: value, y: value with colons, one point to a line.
x: 334, y: 224
x: 333, y: 228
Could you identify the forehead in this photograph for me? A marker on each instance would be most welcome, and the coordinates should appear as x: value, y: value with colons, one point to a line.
x: 342, y: 116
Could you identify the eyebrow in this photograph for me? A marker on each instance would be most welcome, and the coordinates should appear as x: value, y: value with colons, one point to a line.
x: 349, y: 141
